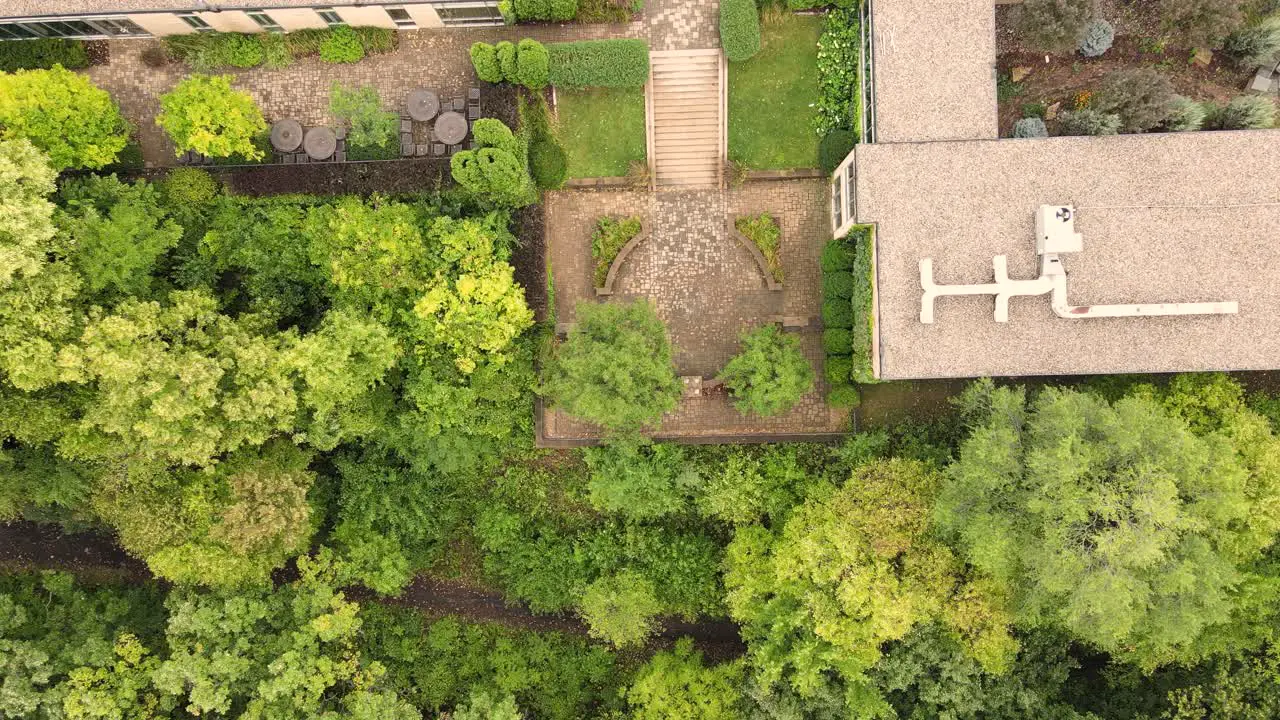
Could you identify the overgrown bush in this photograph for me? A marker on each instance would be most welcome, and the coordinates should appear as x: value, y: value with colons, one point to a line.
x: 739, y: 29
x: 837, y: 341
x: 640, y: 480
x: 839, y: 73
x: 484, y: 58
x: 1087, y: 121
x: 1143, y: 97
x: 552, y: 10
x: 342, y: 46
x: 275, y: 51
x: 1030, y: 127
x: 243, y: 51
x: 834, y: 147
x: 64, y: 114
x: 1201, y: 23
x: 763, y: 232
x: 42, y: 54
x: 599, y: 63
x: 497, y: 170
x: 1098, y: 37
x: 611, y: 235
x: 1256, y: 44
x: 1053, y: 25
x: 533, y: 69
x: 1186, y: 115
x: 374, y: 132
x: 1246, y: 112
x: 770, y: 374
x: 205, y: 114
x: 616, y: 367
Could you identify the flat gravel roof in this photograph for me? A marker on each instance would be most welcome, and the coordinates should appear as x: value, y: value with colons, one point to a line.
x: 935, y: 75
x: 1186, y: 217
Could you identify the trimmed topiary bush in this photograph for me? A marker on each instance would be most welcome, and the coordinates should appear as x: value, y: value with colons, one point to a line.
x: 834, y: 148
x: 599, y: 63
x: 837, y: 314
x: 837, y: 285
x: 549, y: 164
x: 836, y: 255
x: 837, y: 341
x: 839, y: 370
x: 533, y: 64
x: 1030, y: 127
x: 770, y: 375
x: 1098, y: 37
x: 1247, y: 112
x: 506, y: 51
x: 1187, y: 115
x: 342, y: 46
x: 553, y: 10
x: 739, y: 29
x: 1087, y: 121
x: 497, y: 170
x: 845, y: 397
x: 484, y: 58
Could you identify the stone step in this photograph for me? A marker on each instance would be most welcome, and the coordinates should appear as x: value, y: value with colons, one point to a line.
x: 686, y: 117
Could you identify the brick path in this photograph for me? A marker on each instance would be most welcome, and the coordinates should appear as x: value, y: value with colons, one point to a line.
x: 706, y: 287
x: 430, y: 58
x: 683, y: 24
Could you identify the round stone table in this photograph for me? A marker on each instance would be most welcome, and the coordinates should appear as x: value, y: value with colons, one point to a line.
x: 423, y: 104
x: 286, y: 135
x: 451, y: 128
x: 320, y: 143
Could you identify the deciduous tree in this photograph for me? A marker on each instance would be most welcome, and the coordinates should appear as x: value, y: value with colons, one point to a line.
x: 64, y: 114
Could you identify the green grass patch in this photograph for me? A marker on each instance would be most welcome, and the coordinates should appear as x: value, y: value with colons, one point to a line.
x: 773, y: 97
x: 763, y: 230
x: 611, y: 236
x: 602, y: 130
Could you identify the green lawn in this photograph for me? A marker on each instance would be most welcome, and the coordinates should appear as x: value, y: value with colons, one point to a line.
x: 773, y: 97
x: 602, y: 130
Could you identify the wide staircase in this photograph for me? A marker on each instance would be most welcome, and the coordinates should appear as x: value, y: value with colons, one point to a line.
x: 686, y: 118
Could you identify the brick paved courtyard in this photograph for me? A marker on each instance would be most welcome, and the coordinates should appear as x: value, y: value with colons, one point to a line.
x: 706, y: 287
x: 424, y: 58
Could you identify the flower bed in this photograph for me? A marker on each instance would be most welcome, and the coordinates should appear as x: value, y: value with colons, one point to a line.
x: 763, y: 231
x: 612, y: 234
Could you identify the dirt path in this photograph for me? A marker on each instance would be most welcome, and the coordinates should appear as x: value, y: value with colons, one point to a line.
x: 93, y: 556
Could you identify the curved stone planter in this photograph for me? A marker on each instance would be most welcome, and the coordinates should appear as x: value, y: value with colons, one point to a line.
x: 761, y: 262
x: 616, y: 265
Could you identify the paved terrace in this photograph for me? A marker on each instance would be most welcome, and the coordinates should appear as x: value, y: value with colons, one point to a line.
x: 935, y: 70
x: 1180, y: 217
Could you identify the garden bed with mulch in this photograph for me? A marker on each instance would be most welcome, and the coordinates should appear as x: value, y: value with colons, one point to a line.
x: 1138, y: 43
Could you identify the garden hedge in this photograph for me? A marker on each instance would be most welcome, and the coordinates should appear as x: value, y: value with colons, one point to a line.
x: 42, y: 55
x: 599, y: 63
x: 555, y: 10
x: 863, y: 318
x: 739, y: 29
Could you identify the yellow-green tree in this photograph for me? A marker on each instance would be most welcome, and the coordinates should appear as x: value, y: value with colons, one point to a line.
x: 205, y: 114
x: 64, y: 114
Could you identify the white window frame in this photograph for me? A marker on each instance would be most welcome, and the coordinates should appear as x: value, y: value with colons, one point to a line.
x: 844, y: 206
x: 264, y: 20
x: 195, y: 22
x: 495, y: 17
x: 407, y: 24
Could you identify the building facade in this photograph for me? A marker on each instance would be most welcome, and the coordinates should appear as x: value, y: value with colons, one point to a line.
x: 101, y: 19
